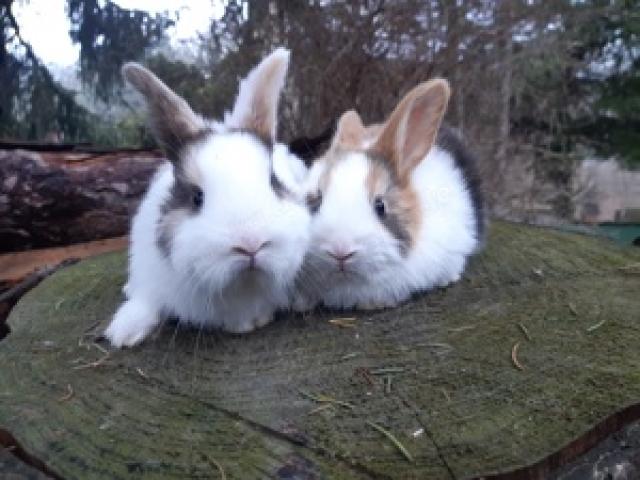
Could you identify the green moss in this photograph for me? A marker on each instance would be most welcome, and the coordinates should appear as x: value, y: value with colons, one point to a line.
x: 171, y: 405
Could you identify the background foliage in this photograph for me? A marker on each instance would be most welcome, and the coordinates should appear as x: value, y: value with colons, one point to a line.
x: 537, y: 85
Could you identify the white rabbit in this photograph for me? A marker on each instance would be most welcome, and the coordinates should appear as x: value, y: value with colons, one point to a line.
x: 219, y: 237
x: 397, y: 208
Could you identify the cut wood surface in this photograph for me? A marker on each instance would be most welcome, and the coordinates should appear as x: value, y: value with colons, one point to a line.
x: 536, y: 346
x: 58, y: 198
x: 16, y: 266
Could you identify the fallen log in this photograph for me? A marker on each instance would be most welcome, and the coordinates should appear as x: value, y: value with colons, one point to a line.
x: 52, y: 198
x: 431, y: 389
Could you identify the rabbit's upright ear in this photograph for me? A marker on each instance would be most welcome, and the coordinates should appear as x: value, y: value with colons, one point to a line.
x: 172, y: 121
x: 349, y: 132
x: 256, y: 107
x: 410, y: 131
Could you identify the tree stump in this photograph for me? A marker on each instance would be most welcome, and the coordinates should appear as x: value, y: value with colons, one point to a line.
x: 535, y: 348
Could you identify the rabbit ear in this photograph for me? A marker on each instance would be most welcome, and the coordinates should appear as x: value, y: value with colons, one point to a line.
x: 256, y: 107
x: 173, y: 122
x: 410, y: 131
x: 349, y: 132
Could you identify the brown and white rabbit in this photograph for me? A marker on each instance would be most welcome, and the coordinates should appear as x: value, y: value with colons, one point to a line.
x: 219, y: 237
x: 396, y: 208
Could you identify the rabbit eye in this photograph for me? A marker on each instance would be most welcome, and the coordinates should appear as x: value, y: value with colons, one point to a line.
x: 378, y: 205
x: 314, y: 200
x: 197, y: 198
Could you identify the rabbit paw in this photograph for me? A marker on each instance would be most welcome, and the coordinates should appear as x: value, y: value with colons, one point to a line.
x: 133, y: 321
x: 302, y: 303
x: 445, y: 282
x: 248, y: 325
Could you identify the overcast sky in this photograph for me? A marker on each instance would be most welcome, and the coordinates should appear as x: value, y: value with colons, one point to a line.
x: 44, y: 23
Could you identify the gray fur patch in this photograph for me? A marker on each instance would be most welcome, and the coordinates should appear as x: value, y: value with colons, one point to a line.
x: 175, y: 146
x: 393, y: 223
x: 278, y: 187
x: 449, y: 140
x: 176, y: 208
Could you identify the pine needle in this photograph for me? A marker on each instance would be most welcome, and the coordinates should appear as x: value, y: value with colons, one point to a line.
x: 514, y: 356
x: 95, y: 364
x: 573, y: 309
x: 218, y: 466
x: 322, y: 407
x: 349, y: 322
x: 326, y: 399
x: 525, y: 331
x: 386, y: 371
x: 596, y: 326
x: 349, y: 356
x: 393, y: 440
x: 68, y: 395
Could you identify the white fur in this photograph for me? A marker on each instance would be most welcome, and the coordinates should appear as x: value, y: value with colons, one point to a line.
x: 378, y: 275
x: 289, y: 169
x: 202, y: 280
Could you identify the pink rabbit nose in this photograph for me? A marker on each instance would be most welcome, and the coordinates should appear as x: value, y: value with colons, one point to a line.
x: 249, y: 249
x: 342, y: 256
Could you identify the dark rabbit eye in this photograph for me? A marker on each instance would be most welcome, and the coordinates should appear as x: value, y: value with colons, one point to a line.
x: 198, y: 197
x: 314, y: 200
x: 378, y: 205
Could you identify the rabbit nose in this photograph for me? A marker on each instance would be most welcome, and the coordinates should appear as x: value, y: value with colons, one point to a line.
x: 250, y: 249
x: 342, y: 256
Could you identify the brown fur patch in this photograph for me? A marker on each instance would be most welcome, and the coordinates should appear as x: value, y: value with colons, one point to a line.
x: 350, y: 132
x: 378, y: 180
x: 261, y: 117
x: 372, y: 132
x: 402, y: 206
x: 411, y: 129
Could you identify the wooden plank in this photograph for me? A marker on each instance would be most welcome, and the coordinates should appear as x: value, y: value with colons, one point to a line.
x: 186, y: 401
x: 16, y: 266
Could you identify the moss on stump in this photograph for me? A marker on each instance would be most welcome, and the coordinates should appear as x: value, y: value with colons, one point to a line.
x: 437, y: 373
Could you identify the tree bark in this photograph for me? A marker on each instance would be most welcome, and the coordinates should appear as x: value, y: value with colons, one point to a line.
x: 60, y: 198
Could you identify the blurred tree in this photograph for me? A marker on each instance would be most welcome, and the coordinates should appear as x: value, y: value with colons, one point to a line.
x: 536, y: 85
x: 522, y: 92
x: 611, y: 47
x: 109, y: 36
x: 33, y: 104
